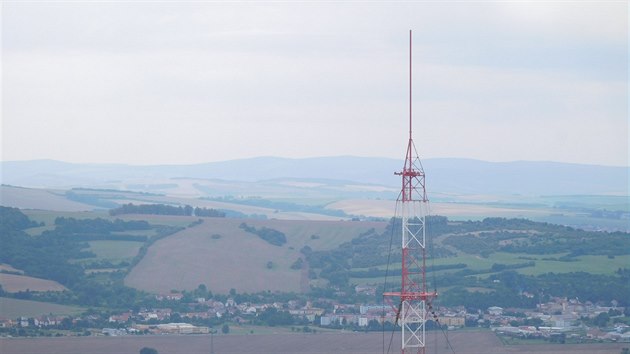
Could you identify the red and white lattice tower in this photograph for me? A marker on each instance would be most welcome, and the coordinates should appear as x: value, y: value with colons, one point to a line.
x: 415, y: 300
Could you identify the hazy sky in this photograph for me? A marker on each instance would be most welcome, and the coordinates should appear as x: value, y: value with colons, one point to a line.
x: 175, y: 83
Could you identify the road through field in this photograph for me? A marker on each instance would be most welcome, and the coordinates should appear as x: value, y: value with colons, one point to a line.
x: 462, y: 342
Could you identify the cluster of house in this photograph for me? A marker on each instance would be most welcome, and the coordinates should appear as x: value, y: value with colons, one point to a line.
x: 41, y: 321
x: 560, y: 315
x: 240, y: 313
x: 618, y: 333
x: 559, y: 312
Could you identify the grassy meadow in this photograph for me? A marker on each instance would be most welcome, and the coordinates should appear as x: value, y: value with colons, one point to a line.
x: 115, y: 251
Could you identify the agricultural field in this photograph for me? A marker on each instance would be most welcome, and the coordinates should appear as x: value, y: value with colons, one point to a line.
x: 222, y: 256
x: 45, y: 199
x: 114, y: 251
x: 594, y: 212
x: 601, y: 265
x: 12, y: 308
x: 452, y: 210
x: 13, y: 280
x: 577, y: 211
x: 13, y: 283
x: 43, y: 202
x: 319, y: 235
x: 354, y: 343
x: 543, y: 264
x: 9, y: 269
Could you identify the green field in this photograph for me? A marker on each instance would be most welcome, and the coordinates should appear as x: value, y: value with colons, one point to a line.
x: 12, y: 308
x: 589, y: 264
x: 114, y: 250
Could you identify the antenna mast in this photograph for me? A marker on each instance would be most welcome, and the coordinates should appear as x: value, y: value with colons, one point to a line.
x: 410, y: 136
x: 415, y: 300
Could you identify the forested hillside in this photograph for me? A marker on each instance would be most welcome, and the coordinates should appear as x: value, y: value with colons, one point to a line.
x: 62, y: 254
x: 496, y: 261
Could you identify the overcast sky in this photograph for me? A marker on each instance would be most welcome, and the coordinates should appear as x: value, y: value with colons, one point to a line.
x: 177, y: 83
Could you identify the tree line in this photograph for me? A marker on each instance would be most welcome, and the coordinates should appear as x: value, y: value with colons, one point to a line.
x: 272, y: 236
x: 163, y: 209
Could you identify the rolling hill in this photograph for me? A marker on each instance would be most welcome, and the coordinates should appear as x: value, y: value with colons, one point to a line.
x: 585, y: 196
x: 445, y: 175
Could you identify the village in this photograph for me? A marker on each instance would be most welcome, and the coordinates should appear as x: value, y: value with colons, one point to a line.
x: 559, y: 320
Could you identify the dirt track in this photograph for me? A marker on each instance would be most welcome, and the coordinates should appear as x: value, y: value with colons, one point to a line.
x: 462, y: 342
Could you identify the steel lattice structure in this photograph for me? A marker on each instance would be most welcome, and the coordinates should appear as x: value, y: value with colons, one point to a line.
x: 413, y: 202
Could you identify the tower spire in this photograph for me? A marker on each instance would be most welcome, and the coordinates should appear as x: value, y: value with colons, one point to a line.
x: 410, y: 121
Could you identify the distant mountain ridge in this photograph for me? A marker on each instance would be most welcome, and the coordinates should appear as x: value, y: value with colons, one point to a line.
x: 444, y: 175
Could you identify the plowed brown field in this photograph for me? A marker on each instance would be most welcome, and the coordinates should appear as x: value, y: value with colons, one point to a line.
x: 354, y: 343
x: 237, y: 259
x: 13, y: 283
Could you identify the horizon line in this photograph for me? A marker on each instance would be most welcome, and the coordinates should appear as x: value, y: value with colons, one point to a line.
x: 307, y: 158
